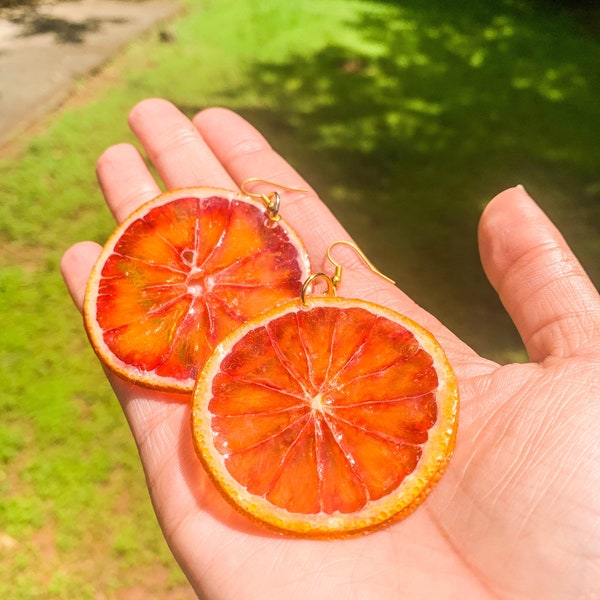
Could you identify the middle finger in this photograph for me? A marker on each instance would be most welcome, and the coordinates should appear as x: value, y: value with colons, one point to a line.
x: 175, y: 147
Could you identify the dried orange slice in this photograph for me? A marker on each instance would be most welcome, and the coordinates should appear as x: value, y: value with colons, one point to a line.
x: 326, y: 419
x: 179, y: 274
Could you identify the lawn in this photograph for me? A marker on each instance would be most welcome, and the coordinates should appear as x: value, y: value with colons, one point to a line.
x: 406, y: 116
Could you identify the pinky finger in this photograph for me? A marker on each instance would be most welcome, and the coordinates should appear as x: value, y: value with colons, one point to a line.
x: 76, y: 266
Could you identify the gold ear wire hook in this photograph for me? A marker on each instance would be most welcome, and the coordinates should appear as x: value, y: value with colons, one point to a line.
x: 337, y: 277
x: 274, y: 183
x: 334, y: 280
x: 271, y: 201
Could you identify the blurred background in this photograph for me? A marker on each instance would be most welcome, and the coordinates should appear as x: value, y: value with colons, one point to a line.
x: 406, y: 116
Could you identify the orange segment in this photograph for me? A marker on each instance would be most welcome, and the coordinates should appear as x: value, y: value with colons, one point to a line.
x: 180, y: 274
x: 406, y: 420
x: 258, y: 475
x: 295, y: 488
x: 342, y: 490
x: 237, y: 436
x: 381, y: 464
x: 146, y: 342
x: 326, y: 420
x: 243, y: 236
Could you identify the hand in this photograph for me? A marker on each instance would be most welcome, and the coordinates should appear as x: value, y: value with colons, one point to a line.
x: 517, y: 514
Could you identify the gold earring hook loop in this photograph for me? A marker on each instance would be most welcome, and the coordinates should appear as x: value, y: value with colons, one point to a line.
x: 337, y: 277
x: 334, y: 281
x: 271, y: 201
x: 331, y: 291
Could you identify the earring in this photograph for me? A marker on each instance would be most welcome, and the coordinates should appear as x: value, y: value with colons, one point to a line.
x: 182, y: 272
x: 326, y: 416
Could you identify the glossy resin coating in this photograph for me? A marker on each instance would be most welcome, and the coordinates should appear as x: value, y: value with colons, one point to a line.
x: 179, y: 275
x: 330, y: 417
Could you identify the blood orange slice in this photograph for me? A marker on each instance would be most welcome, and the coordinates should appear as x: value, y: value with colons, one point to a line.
x: 326, y: 420
x: 179, y: 274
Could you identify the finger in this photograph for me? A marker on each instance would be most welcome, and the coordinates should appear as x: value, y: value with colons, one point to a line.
x: 125, y: 180
x: 76, y: 266
x: 542, y: 285
x: 175, y: 147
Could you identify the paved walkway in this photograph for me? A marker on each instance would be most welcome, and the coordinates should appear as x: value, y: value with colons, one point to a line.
x: 43, y: 51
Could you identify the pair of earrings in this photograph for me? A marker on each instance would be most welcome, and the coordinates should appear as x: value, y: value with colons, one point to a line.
x: 318, y: 416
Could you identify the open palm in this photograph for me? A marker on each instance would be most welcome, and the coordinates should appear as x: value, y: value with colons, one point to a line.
x: 517, y: 513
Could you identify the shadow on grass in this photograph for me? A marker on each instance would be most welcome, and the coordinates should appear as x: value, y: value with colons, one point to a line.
x: 65, y: 31
x: 410, y: 128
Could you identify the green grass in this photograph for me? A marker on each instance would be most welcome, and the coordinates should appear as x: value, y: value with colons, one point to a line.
x: 406, y: 116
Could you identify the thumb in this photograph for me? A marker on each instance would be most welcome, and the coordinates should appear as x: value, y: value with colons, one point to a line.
x: 75, y: 266
x: 544, y: 288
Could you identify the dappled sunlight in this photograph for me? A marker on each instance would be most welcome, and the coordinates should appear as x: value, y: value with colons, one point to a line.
x: 417, y: 74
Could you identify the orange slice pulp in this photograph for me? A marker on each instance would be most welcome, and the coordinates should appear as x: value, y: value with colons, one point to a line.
x: 326, y: 420
x: 181, y: 273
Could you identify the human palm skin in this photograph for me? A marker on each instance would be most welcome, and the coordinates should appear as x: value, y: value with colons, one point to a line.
x: 517, y: 513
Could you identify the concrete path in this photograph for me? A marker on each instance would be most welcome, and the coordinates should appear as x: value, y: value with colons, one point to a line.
x: 43, y: 50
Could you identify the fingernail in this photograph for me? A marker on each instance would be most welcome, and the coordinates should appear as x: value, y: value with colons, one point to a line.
x: 521, y: 187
